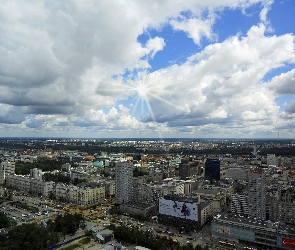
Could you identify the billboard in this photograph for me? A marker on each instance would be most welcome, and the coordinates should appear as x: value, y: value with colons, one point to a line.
x: 288, y: 242
x: 180, y: 209
x: 223, y: 230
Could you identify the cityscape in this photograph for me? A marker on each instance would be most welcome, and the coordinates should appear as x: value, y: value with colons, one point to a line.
x: 191, y: 194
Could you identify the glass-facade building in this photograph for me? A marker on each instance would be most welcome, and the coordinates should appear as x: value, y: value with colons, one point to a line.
x: 212, y: 170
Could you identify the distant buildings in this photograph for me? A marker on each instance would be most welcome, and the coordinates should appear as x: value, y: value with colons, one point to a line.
x: 124, y: 181
x: 212, y: 170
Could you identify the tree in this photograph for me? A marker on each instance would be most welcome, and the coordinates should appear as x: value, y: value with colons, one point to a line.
x: 68, y: 223
x: 4, y: 221
x: 88, y: 233
x: 29, y: 237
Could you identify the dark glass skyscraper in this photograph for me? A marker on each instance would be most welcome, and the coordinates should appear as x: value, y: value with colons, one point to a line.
x: 212, y: 170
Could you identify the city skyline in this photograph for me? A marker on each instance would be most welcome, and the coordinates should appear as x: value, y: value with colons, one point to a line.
x: 147, y: 69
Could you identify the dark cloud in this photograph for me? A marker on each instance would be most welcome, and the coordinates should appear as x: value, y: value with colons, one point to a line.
x: 48, y: 110
x: 291, y: 107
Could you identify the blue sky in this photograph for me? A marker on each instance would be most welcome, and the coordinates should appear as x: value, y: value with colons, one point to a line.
x: 191, y: 69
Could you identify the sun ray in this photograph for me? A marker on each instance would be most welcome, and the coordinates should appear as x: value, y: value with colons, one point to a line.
x: 153, y: 116
x: 145, y: 88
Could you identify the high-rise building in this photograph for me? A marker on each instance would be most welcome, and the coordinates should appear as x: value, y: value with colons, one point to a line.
x: 184, y: 169
x: 2, y: 174
x: 256, y: 193
x: 124, y: 181
x: 212, y: 170
x: 187, y: 168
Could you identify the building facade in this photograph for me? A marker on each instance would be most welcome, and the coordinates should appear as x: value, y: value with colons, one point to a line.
x: 257, y: 193
x: 184, y: 213
x: 212, y: 170
x: 26, y: 184
x: 2, y: 174
x: 258, y: 233
x: 239, y: 204
x: 124, y: 181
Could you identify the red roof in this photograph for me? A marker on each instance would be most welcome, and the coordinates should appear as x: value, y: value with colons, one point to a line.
x: 256, y: 171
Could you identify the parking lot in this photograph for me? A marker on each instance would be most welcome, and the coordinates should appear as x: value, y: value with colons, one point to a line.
x: 24, y: 209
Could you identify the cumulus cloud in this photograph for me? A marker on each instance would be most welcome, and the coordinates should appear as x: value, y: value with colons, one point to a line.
x: 72, y: 67
x: 222, y: 84
x: 284, y: 83
x: 195, y: 28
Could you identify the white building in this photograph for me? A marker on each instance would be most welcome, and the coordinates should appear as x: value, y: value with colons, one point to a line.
x: 82, y: 196
x: 6, y: 168
x: 34, y: 185
x: 271, y: 159
x: 124, y: 181
x: 257, y: 194
x: 36, y: 174
x: 29, y: 185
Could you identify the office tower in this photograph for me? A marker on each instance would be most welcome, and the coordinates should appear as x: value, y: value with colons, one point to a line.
x: 212, y: 170
x: 256, y: 193
x: 124, y: 182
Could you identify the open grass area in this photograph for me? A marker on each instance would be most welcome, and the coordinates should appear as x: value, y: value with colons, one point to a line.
x: 85, y: 241
x: 71, y: 247
x: 75, y: 244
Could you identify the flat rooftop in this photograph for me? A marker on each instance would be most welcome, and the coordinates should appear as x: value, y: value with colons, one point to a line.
x: 253, y: 223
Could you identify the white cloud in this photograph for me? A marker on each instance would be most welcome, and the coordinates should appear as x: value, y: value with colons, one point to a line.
x: 195, y: 28
x: 63, y: 68
x: 222, y: 84
x: 284, y: 83
x: 263, y: 15
x: 154, y: 45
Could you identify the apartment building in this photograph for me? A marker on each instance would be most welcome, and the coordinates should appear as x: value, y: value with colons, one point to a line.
x: 257, y: 193
x: 27, y: 184
x: 124, y: 181
x: 82, y: 196
x: 6, y: 168
x: 239, y: 204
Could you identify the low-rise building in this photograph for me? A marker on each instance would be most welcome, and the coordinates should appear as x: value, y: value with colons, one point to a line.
x: 184, y: 213
x: 260, y: 233
x: 139, y: 208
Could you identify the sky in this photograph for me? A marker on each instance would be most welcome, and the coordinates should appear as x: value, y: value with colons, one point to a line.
x: 147, y: 69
